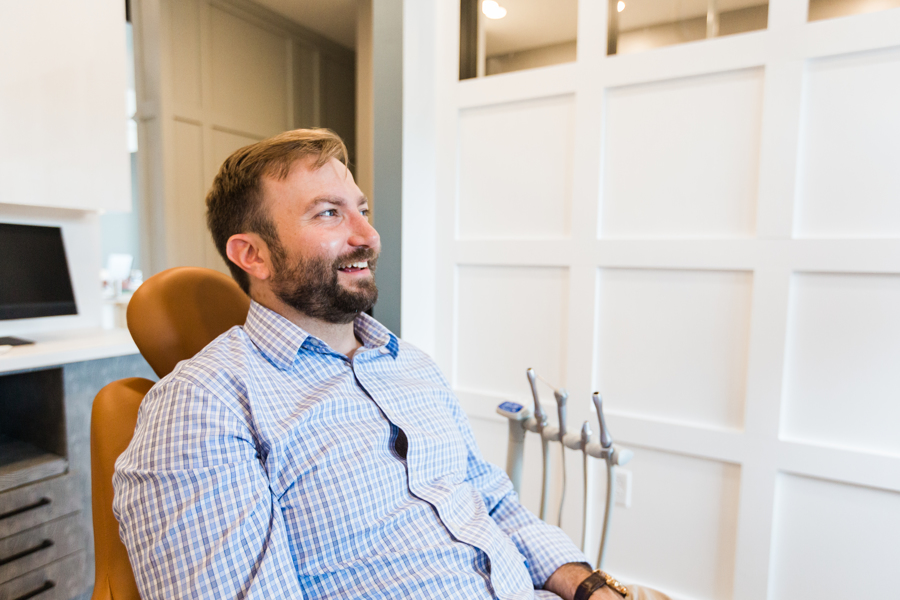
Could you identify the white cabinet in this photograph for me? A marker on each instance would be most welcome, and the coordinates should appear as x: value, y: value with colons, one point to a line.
x: 62, y: 105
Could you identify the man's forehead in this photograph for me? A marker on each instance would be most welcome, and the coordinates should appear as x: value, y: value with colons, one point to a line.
x: 310, y: 184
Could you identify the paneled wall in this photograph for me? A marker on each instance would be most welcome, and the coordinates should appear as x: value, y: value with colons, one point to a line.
x: 709, y: 234
x: 216, y: 75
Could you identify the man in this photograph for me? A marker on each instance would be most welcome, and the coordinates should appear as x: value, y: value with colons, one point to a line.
x: 311, y: 453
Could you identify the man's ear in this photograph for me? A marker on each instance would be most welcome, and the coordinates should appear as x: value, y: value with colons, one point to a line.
x: 250, y: 252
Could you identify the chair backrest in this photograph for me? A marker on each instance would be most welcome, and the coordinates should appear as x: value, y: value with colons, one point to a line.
x: 112, y: 426
x: 171, y: 317
x: 177, y: 312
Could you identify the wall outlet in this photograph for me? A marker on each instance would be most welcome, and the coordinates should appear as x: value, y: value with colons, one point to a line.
x: 623, y: 487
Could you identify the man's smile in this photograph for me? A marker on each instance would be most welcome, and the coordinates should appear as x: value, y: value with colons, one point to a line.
x: 355, y: 267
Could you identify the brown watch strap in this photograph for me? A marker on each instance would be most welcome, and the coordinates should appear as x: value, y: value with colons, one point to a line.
x: 594, y: 582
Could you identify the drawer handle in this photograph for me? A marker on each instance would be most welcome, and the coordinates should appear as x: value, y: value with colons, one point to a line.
x: 26, y: 508
x: 42, y: 546
x: 48, y: 585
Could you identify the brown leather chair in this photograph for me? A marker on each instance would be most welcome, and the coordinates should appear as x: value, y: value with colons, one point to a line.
x: 112, y: 425
x: 171, y: 317
x: 176, y: 313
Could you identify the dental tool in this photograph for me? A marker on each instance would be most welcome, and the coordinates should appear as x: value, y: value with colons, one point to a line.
x: 541, y: 422
x: 561, y: 397
x: 587, y: 515
x: 613, y: 457
x: 605, y: 438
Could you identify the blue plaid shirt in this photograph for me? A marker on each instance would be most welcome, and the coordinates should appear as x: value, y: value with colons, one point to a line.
x: 265, y: 467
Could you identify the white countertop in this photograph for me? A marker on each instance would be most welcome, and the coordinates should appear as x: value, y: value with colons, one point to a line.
x: 62, y: 347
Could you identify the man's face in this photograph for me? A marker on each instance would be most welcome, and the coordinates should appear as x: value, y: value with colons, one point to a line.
x: 324, y: 263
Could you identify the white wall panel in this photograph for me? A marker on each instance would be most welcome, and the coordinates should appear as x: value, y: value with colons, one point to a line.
x: 249, y: 74
x: 681, y: 157
x: 673, y: 344
x: 509, y: 319
x: 842, y: 378
x: 186, y: 70
x: 833, y: 540
x: 850, y: 147
x: 679, y: 533
x: 225, y: 143
x: 186, y: 208
x: 515, y: 171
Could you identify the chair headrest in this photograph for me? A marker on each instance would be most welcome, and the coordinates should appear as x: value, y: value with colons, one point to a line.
x: 177, y: 312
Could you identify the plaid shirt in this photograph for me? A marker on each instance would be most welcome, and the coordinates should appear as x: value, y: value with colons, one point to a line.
x: 265, y: 467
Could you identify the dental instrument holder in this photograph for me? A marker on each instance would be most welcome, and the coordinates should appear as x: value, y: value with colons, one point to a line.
x: 516, y: 414
x: 520, y: 422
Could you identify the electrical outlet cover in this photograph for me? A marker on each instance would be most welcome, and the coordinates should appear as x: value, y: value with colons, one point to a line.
x: 623, y: 487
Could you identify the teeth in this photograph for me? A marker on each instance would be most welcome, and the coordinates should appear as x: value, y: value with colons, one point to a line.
x: 357, y: 265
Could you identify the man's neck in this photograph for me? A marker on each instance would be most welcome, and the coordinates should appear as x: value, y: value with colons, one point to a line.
x: 340, y: 337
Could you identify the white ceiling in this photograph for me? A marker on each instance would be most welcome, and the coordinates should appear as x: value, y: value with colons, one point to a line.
x: 333, y: 19
x: 535, y: 23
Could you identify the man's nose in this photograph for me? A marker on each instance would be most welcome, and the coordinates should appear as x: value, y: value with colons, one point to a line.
x: 363, y: 233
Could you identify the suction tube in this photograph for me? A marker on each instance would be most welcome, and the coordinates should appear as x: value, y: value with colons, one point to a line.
x: 606, y: 442
x: 541, y: 418
x: 561, y: 397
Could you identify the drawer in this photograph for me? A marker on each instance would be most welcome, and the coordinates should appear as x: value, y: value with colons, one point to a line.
x: 60, y: 580
x: 31, y: 505
x: 36, y: 547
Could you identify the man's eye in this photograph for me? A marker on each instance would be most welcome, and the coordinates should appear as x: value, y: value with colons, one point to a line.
x: 364, y: 212
x: 331, y: 212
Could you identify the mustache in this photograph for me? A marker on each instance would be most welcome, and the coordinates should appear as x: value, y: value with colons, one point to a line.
x: 360, y: 254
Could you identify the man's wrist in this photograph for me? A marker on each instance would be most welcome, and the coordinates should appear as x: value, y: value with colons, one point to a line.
x: 565, y: 580
x: 595, y: 582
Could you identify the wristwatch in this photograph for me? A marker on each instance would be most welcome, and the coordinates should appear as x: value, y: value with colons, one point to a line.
x: 597, y: 580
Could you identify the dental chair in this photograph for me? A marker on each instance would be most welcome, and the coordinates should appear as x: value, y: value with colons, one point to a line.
x: 171, y: 317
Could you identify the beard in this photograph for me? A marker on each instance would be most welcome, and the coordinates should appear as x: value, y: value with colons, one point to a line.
x: 310, y: 285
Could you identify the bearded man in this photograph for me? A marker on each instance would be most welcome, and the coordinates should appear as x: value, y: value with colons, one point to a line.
x: 311, y: 453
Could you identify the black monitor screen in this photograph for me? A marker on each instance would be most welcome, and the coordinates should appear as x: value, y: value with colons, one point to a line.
x: 34, y: 275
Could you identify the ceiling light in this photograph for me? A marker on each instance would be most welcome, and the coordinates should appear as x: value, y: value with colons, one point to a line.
x: 620, y: 6
x: 492, y: 10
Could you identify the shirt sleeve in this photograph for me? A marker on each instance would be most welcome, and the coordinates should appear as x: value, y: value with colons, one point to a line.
x: 544, y: 546
x: 194, y: 506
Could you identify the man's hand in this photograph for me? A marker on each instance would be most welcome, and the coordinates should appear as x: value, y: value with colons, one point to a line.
x: 566, y: 579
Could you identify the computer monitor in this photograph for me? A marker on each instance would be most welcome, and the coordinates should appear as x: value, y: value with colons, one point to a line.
x: 34, y: 273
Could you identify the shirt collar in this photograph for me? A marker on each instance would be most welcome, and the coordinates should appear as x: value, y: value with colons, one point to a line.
x: 280, y: 340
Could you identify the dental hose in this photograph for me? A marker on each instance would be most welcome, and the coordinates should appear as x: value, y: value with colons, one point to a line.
x: 545, y: 448
x: 607, y: 514
x: 562, y: 496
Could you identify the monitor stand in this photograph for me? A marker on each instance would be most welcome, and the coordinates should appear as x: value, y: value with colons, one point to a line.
x: 14, y: 341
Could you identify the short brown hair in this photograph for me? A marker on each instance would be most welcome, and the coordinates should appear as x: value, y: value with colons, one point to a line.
x: 234, y: 203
